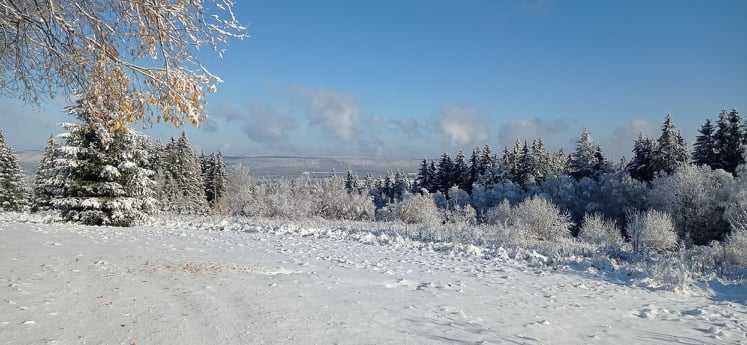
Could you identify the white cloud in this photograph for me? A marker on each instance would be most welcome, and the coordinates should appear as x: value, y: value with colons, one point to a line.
x: 462, y: 126
x: 262, y: 124
x: 336, y: 113
x: 532, y: 128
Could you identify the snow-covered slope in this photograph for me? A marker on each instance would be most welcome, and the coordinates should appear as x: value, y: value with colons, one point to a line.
x: 66, y: 284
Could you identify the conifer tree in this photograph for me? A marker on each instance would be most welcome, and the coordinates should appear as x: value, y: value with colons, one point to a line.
x: 106, y: 179
x: 13, y: 193
x: 475, y: 169
x: 524, y: 167
x: 349, y: 182
x: 584, y: 159
x: 216, y: 180
x: 729, y: 140
x: 184, y: 191
x: 424, y: 178
x: 487, y: 161
x: 641, y: 167
x: 704, y: 151
x: 460, y: 172
x: 601, y: 165
x: 48, y: 182
x: 445, y: 173
x: 671, y: 151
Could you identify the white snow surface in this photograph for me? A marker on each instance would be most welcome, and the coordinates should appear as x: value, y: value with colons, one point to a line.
x: 182, y: 284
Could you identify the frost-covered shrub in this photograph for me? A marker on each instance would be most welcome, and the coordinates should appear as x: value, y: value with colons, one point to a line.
x: 498, y: 215
x: 419, y: 209
x: 458, y: 198
x: 336, y: 203
x: 541, y: 219
x: 694, y: 196
x: 652, y: 230
x: 295, y: 199
x: 461, y: 215
x: 484, y: 198
x: 669, y: 271
x: 735, y: 248
x: 600, y: 231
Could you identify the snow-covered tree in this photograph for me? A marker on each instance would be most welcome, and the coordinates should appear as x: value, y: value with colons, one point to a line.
x: 671, y: 150
x: 584, y: 160
x: 106, y: 182
x: 694, y: 196
x: 49, y: 179
x: 13, y: 193
x: 642, y: 166
x: 183, y: 186
x: 729, y: 140
x: 704, y: 149
x: 426, y: 178
x: 460, y: 172
x: 445, y: 173
x: 214, y: 176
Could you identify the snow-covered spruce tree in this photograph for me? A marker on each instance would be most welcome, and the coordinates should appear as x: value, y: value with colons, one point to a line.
x: 704, y: 149
x: 642, y: 166
x: 13, y: 193
x: 49, y: 181
x: 183, y: 186
x: 214, y: 177
x: 671, y: 150
x: 107, y: 181
x: 729, y: 141
x: 584, y: 160
x: 445, y: 173
x: 460, y: 172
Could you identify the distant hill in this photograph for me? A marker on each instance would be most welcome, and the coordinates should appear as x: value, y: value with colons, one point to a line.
x: 288, y: 166
x: 285, y: 166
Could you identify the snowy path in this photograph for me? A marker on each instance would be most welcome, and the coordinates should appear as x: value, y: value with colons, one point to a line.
x: 62, y: 284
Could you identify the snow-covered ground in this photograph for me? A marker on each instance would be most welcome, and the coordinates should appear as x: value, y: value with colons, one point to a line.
x: 67, y: 284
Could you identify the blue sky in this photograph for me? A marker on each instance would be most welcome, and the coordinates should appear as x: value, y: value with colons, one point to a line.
x: 408, y: 79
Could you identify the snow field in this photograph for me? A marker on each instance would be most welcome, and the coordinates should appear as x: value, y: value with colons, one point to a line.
x: 172, y: 284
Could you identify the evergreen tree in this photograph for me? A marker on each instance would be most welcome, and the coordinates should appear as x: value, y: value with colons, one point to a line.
x: 704, y: 152
x: 184, y: 191
x: 475, y: 169
x: 671, y: 151
x: 216, y: 181
x: 13, y: 193
x: 583, y: 160
x: 460, y: 172
x: 401, y: 186
x: 424, y: 178
x: 106, y: 182
x: 601, y: 165
x: 524, y: 167
x: 729, y: 140
x: 350, y: 182
x: 48, y: 184
x: 642, y: 167
x: 487, y: 160
x: 445, y: 173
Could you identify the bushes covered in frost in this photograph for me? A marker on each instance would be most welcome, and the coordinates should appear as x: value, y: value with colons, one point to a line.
x: 651, y: 230
x: 294, y: 199
x: 419, y: 209
x: 600, y: 231
x: 534, y: 218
